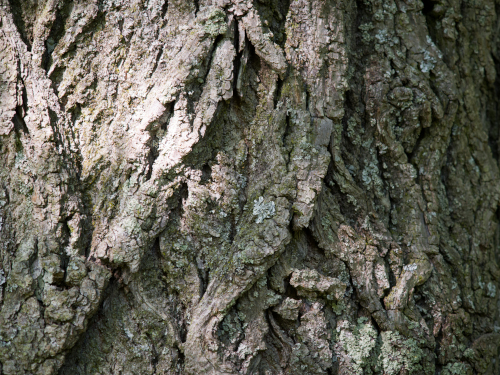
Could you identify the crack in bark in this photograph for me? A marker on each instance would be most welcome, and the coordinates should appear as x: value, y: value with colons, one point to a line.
x: 57, y: 32
x: 164, y: 9
x: 17, y: 13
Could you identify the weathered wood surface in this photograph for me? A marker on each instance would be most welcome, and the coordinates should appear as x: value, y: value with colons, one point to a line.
x: 249, y: 187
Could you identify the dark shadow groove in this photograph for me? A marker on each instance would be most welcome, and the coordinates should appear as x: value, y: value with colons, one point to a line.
x: 57, y: 70
x: 157, y: 61
x: 216, y: 43
x: 73, y: 358
x: 154, y: 151
x: 439, y: 339
x: 164, y: 9
x: 57, y: 31
x: 18, y: 119
x: 492, y: 113
x: 277, y: 95
x: 286, y: 134
x: 17, y: 15
x: 196, y: 7
x: 416, y: 148
x: 308, y: 98
x: 237, y: 60
x: 428, y: 7
x: 19, y: 123
x: 273, y: 14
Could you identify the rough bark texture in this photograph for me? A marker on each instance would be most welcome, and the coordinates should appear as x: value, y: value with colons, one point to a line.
x: 249, y: 187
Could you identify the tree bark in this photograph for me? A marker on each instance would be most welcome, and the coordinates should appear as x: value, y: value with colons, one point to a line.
x: 249, y: 187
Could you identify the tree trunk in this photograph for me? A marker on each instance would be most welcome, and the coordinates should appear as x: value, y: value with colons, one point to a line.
x: 249, y: 187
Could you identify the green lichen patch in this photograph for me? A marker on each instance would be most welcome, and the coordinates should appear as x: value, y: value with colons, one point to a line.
x: 359, y: 342
x: 216, y: 23
x: 457, y: 368
x: 398, y: 353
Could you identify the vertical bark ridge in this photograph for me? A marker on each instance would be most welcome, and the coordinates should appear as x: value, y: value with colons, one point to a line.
x: 249, y: 187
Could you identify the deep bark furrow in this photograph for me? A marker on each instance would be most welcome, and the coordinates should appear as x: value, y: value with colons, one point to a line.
x: 249, y: 187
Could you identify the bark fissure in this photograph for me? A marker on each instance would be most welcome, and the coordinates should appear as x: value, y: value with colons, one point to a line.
x: 232, y: 187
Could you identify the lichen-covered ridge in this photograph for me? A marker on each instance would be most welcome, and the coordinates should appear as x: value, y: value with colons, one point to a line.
x: 249, y: 187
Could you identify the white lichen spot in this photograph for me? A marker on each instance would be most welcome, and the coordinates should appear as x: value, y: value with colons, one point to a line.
x: 129, y: 334
x: 3, y: 198
x: 427, y: 63
x: 382, y: 36
x: 263, y: 210
x: 370, y: 176
x: 410, y: 267
x: 480, y: 283
x: 491, y: 290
